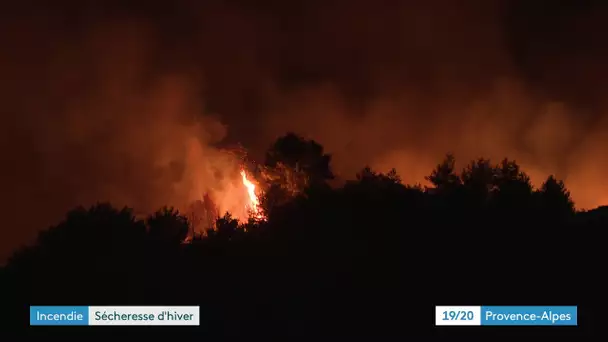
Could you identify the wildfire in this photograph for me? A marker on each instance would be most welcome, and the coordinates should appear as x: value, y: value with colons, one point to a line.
x: 254, y: 202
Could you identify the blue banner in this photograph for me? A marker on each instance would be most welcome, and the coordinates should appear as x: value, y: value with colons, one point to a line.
x: 114, y: 315
x: 59, y: 315
x: 529, y: 315
x: 506, y: 316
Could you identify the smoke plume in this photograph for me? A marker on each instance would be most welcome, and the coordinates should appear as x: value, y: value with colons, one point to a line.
x: 133, y: 102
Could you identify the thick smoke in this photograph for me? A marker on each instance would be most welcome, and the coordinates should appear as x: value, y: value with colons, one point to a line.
x: 130, y: 102
x: 92, y: 118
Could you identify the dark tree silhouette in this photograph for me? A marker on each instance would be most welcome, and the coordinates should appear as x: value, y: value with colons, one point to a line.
x: 512, y: 188
x: 478, y: 179
x: 444, y: 176
x: 367, y: 175
x: 227, y: 228
x: 341, y: 262
x: 88, y: 233
x: 554, y: 199
x: 507, y: 174
x: 292, y: 166
x: 167, y: 226
x: 300, y: 154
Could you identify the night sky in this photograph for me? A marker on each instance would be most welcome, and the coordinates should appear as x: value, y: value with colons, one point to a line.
x: 130, y: 101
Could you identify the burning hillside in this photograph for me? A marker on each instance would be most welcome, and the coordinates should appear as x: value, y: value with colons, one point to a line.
x: 240, y: 200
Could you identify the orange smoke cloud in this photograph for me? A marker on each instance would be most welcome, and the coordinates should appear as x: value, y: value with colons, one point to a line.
x: 133, y: 104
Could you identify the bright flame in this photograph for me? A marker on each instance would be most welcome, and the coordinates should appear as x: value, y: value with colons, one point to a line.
x: 254, y: 202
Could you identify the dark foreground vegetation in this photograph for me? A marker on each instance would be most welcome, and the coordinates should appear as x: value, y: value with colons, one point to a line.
x: 366, y: 261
